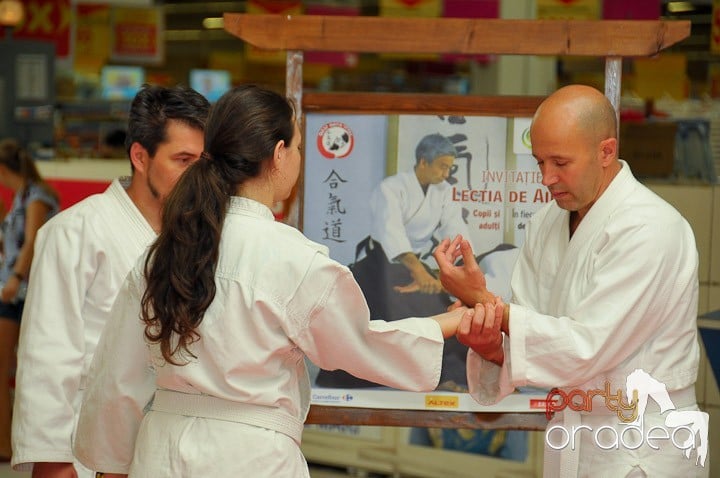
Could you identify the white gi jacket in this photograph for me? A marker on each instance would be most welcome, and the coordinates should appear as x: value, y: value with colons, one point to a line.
x: 405, y: 219
x: 620, y: 295
x: 279, y: 298
x: 81, y: 258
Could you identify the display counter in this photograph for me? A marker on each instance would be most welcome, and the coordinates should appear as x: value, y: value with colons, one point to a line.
x: 104, y: 170
x: 75, y: 179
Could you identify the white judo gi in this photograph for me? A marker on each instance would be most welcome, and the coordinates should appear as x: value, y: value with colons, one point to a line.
x: 81, y: 258
x: 238, y: 408
x: 620, y: 295
x: 405, y: 219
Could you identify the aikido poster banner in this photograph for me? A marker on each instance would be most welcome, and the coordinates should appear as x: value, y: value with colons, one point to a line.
x: 495, y: 180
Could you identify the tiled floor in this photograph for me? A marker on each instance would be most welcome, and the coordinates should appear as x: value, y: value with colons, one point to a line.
x: 6, y: 472
x: 315, y: 472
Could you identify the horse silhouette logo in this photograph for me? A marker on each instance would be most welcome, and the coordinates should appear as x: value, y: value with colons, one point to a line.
x: 693, y: 420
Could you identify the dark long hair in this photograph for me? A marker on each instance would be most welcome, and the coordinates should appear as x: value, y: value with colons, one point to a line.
x: 19, y: 161
x: 242, y: 131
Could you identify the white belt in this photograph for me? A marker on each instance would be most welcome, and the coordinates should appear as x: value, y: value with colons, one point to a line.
x: 207, y: 406
x: 571, y: 418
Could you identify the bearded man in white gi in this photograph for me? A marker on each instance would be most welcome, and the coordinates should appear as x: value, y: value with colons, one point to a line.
x: 605, y: 287
x: 81, y: 259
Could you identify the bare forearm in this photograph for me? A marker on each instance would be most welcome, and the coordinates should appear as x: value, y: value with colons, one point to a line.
x: 449, y: 321
x: 480, y: 296
x: 505, y: 327
x: 54, y: 470
x: 24, y: 259
x: 497, y: 356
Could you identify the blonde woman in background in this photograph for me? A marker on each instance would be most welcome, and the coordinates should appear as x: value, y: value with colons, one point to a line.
x: 33, y: 204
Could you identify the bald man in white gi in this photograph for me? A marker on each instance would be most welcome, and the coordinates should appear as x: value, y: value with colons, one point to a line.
x: 606, y: 285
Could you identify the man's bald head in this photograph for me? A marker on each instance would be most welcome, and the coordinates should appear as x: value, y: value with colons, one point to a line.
x: 574, y: 140
x: 583, y: 107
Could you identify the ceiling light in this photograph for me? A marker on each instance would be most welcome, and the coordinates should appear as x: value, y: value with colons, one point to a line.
x: 680, y: 7
x: 213, y: 23
x: 11, y: 13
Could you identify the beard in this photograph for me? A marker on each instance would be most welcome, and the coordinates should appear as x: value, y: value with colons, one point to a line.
x: 153, y: 190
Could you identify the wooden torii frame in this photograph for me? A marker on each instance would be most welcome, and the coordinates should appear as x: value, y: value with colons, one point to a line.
x: 612, y: 39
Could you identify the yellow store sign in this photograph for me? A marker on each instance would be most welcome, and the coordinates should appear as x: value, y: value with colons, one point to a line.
x: 568, y: 9
x: 441, y: 401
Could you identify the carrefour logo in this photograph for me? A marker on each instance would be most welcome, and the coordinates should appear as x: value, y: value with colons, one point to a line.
x: 331, y: 397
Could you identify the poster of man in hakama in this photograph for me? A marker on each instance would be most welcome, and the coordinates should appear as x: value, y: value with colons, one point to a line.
x: 381, y: 191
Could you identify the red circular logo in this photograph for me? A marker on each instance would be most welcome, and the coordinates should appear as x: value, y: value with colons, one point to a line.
x: 335, y: 140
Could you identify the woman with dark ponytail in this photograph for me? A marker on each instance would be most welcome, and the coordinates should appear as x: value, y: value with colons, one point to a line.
x: 211, y: 329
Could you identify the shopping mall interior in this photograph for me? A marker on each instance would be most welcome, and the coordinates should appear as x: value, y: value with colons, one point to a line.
x: 74, y: 67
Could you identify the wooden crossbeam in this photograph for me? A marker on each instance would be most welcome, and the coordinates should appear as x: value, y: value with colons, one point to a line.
x: 419, y: 103
x: 327, y: 415
x: 457, y: 35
